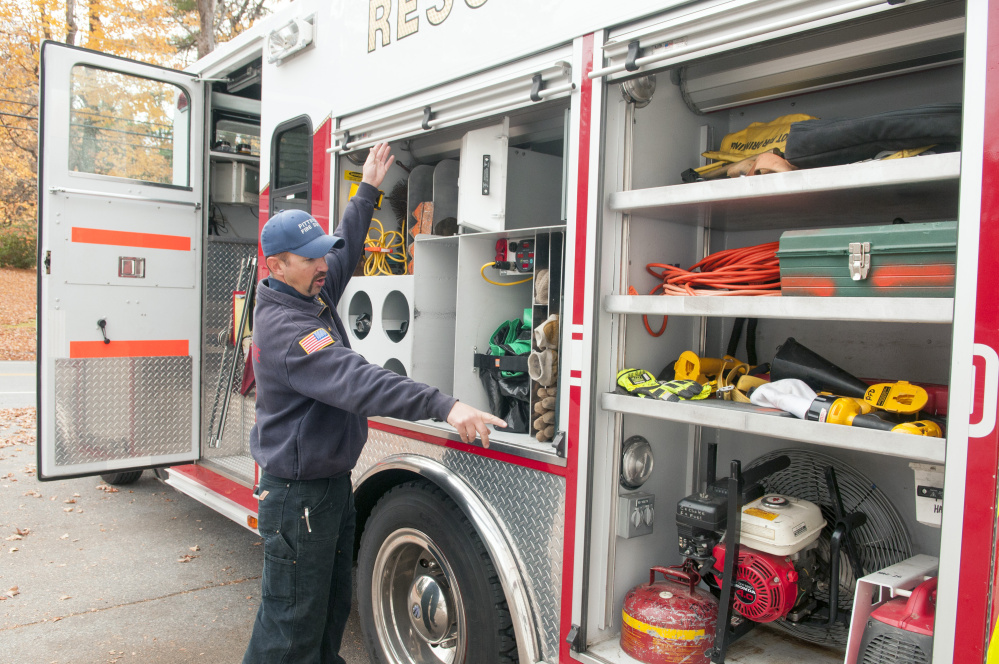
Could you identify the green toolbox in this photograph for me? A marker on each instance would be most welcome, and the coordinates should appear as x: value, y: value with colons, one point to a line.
x: 900, y: 260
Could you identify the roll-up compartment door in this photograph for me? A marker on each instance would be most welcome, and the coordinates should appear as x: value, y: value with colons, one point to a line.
x: 733, y: 53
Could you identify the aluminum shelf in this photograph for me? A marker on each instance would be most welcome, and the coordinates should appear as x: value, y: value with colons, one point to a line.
x: 873, y: 192
x: 234, y: 156
x: 907, y: 446
x: 875, y: 309
x: 764, y: 645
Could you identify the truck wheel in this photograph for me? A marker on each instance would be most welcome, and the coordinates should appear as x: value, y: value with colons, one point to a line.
x: 122, y: 478
x: 427, y: 590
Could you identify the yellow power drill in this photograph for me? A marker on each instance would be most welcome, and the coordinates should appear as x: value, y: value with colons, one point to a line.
x: 859, y: 413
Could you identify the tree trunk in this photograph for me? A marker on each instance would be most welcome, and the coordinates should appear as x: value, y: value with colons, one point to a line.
x: 96, y: 36
x: 206, y: 31
x: 71, y: 28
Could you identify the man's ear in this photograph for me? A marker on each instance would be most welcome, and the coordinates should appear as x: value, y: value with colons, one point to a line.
x: 275, y: 266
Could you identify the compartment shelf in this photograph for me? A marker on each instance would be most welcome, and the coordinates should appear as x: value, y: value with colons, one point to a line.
x: 855, y: 194
x: 234, y: 156
x: 876, y: 309
x: 916, y: 448
x: 763, y: 645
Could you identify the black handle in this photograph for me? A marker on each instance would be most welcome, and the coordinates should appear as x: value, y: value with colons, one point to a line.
x: 102, y: 323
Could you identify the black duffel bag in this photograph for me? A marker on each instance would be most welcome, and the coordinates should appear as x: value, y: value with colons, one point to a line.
x: 815, y: 143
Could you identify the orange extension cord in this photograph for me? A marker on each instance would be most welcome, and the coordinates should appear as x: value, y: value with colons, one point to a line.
x: 745, y: 271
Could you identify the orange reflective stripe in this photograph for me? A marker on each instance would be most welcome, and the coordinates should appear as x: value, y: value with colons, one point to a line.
x: 164, y: 348
x: 129, y: 239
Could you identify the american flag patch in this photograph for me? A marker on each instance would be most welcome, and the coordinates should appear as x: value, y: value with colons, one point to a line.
x: 318, y: 339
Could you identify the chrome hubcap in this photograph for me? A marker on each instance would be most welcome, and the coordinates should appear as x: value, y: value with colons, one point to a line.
x: 419, y: 615
x: 428, y: 609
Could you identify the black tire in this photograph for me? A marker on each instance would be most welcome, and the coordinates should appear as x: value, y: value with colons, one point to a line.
x: 128, y: 477
x: 419, y: 552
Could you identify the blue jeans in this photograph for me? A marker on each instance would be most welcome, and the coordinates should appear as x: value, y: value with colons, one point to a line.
x: 306, y: 581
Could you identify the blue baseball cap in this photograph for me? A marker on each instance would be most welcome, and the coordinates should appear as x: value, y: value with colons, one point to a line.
x: 298, y: 232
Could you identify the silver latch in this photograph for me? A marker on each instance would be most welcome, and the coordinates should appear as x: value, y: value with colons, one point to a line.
x: 860, y: 260
x: 132, y: 267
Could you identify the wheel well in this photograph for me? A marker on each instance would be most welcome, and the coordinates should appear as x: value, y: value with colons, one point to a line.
x: 370, y: 492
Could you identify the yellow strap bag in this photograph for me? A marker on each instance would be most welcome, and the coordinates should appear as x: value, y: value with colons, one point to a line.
x: 755, y: 139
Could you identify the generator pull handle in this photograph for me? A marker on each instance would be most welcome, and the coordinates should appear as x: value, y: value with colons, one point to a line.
x: 674, y: 574
x: 922, y: 601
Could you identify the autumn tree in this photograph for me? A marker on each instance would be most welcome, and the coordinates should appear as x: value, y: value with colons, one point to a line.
x: 162, y: 32
x: 208, y: 22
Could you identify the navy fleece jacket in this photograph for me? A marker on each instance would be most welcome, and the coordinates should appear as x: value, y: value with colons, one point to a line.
x: 312, y: 406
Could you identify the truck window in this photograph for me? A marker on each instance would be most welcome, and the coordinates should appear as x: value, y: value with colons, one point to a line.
x: 291, y: 166
x: 128, y: 127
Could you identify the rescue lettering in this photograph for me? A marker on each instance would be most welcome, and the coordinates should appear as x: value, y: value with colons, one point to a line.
x: 407, y: 18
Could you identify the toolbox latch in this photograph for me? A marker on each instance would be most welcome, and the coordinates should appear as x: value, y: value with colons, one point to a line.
x: 860, y: 260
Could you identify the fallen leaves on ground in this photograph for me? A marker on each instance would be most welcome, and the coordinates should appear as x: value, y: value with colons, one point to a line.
x: 11, y: 593
x: 186, y: 558
x: 17, y: 426
x: 17, y: 314
x: 106, y: 489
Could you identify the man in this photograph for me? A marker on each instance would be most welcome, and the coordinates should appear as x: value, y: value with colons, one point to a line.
x: 313, y: 397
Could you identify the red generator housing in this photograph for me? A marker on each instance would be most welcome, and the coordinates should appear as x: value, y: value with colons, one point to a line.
x: 901, y: 630
x: 766, y: 586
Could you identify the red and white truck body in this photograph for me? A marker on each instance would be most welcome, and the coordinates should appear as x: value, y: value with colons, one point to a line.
x: 139, y: 263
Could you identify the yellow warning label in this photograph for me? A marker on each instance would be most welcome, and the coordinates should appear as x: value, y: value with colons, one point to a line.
x: 762, y: 514
x: 662, y: 632
x: 352, y: 176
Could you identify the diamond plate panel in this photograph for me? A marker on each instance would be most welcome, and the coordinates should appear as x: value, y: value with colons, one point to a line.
x: 535, y: 527
x: 122, y: 408
x: 222, y: 271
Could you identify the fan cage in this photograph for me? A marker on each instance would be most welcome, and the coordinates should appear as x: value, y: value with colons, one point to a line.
x: 882, y: 541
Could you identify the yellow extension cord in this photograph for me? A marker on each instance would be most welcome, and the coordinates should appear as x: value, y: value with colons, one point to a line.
x: 482, y: 271
x: 382, y: 251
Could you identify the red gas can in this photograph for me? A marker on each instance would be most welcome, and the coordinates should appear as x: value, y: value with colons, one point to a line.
x: 670, y: 621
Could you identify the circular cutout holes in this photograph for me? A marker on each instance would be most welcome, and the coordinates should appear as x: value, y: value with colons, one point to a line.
x: 396, y: 366
x: 395, y: 316
x: 359, y: 315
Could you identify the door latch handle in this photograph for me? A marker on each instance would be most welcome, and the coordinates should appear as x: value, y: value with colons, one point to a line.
x: 102, y: 323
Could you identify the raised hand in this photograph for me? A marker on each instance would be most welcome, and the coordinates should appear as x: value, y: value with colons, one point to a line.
x: 379, y: 161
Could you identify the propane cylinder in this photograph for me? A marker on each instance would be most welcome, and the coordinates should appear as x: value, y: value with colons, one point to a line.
x: 669, y: 621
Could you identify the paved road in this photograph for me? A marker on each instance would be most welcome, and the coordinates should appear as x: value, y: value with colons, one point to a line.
x: 17, y: 384
x: 98, y: 578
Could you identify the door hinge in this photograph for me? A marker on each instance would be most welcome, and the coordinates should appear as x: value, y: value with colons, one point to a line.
x: 860, y: 260
x: 48, y: 262
x: 558, y: 442
x: 573, y: 638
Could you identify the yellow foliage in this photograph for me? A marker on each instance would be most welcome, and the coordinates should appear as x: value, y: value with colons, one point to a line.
x: 144, y: 30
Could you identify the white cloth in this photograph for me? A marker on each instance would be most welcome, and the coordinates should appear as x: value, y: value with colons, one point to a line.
x: 791, y: 395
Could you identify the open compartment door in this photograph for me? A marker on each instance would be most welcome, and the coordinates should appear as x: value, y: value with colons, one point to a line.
x: 119, y: 239
x: 482, y: 178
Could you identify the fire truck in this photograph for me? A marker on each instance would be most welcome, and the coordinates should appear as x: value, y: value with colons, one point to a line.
x: 549, y: 157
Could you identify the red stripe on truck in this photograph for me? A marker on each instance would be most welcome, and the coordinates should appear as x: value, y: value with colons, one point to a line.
x: 130, y: 239
x: 126, y: 348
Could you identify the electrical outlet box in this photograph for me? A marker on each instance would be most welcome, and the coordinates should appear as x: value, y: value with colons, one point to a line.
x: 635, y: 514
